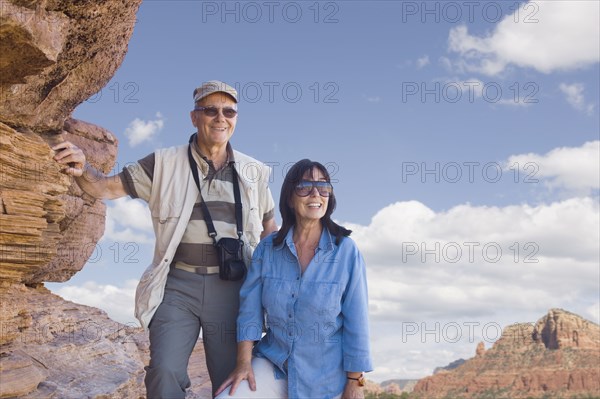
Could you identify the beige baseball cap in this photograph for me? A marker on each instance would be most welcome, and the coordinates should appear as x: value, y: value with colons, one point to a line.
x: 214, y: 86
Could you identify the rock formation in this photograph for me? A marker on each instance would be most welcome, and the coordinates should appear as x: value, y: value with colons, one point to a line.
x: 66, y: 350
x: 480, y: 349
x: 393, y: 389
x: 558, y: 357
x: 373, y: 388
x: 389, y: 388
x: 454, y: 364
x: 55, y: 54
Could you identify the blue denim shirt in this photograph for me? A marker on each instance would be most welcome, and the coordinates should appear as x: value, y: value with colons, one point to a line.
x: 317, y: 325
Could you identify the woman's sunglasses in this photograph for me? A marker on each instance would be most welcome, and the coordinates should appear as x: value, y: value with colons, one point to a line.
x: 305, y: 187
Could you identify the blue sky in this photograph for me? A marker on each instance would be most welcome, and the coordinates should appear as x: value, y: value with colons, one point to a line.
x: 463, y: 138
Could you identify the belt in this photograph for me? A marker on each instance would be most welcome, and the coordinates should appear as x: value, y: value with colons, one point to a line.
x: 198, y: 269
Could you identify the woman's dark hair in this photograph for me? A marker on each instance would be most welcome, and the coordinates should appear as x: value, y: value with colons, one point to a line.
x: 288, y: 216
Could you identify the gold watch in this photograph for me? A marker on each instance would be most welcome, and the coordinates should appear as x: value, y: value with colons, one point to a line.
x: 360, y: 380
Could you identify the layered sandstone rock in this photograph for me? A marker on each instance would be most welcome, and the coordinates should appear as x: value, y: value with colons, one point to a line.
x: 558, y: 356
x: 83, y: 223
x: 47, y: 224
x: 55, y: 54
x: 62, y: 350
x: 31, y: 204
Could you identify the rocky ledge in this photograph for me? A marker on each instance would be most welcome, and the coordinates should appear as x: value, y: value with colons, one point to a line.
x: 59, y: 349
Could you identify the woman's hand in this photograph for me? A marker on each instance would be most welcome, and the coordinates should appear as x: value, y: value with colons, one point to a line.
x: 242, y: 371
x: 69, y: 155
x: 353, y: 391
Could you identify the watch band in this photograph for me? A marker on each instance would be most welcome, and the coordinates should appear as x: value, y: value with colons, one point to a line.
x: 360, y: 379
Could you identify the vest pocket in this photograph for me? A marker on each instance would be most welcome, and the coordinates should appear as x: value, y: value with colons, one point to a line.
x: 164, y: 227
x: 252, y: 217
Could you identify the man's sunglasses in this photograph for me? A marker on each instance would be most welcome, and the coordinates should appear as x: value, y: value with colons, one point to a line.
x: 305, y: 187
x: 213, y: 111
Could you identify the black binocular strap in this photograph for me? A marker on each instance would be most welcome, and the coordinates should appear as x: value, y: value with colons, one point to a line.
x: 236, y: 194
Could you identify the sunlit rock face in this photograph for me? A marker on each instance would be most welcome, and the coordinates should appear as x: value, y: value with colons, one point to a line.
x: 556, y: 357
x: 55, y: 55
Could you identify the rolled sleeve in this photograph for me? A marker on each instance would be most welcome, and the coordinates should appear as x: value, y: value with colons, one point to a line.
x: 137, y: 178
x: 355, y: 309
x: 267, y: 204
x: 250, y: 316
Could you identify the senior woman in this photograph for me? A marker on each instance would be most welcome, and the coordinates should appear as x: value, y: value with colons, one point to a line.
x: 308, y: 282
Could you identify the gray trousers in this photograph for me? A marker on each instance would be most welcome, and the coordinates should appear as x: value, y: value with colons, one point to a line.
x: 191, y: 302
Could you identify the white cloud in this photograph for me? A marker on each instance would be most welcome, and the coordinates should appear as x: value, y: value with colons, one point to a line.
x: 544, y: 35
x: 438, y: 284
x: 463, y: 260
x: 118, y: 302
x: 371, y: 99
x: 454, y: 89
x: 593, y: 312
x: 128, y: 220
x: 572, y: 168
x: 139, y: 130
x: 575, y: 97
x: 422, y: 61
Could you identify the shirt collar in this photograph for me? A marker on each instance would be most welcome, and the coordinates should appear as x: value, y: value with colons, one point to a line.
x: 326, y: 242
x: 201, y: 158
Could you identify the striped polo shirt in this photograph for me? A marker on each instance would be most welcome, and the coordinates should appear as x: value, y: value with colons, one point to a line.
x: 196, y: 249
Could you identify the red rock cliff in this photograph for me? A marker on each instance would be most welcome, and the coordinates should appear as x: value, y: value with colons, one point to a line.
x: 558, y: 357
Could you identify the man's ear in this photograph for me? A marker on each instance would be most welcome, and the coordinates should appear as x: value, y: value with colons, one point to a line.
x: 192, y: 117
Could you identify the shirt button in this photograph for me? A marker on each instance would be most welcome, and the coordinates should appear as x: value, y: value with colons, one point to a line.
x: 293, y: 295
x: 290, y: 316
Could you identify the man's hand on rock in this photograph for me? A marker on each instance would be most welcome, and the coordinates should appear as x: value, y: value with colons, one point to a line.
x: 71, y: 157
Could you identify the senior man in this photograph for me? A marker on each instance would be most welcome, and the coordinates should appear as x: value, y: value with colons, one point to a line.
x: 183, y: 290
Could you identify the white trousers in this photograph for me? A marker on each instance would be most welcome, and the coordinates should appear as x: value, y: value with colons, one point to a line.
x: 267, y: 387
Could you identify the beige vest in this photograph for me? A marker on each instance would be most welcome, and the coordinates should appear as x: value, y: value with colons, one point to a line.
x: 172, y: 200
